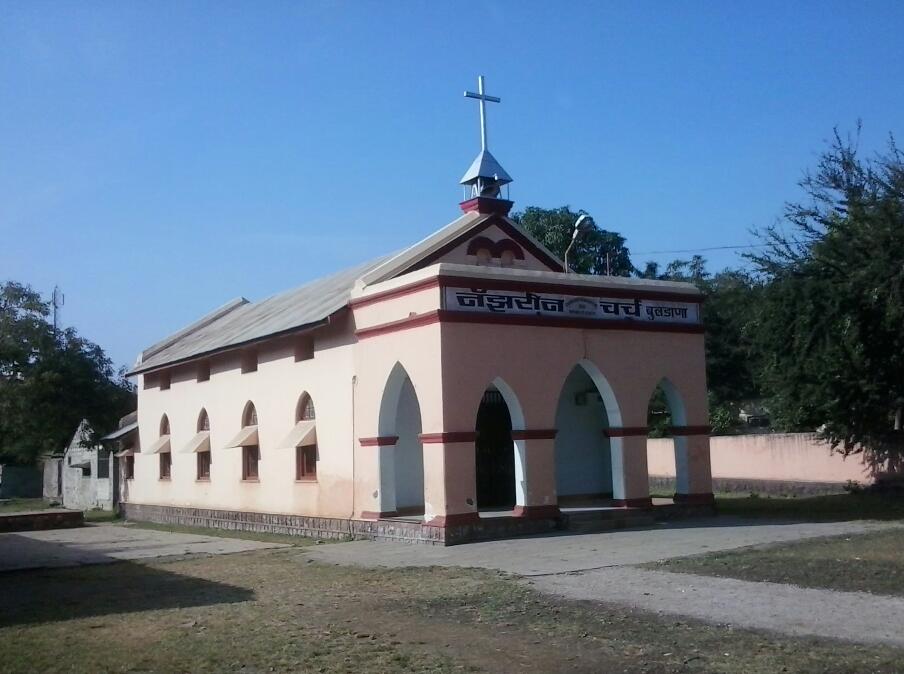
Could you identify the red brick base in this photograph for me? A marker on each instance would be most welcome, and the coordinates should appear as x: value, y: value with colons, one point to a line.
x: 453, y: 520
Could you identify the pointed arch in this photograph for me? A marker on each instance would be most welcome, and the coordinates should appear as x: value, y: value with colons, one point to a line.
x: 304, y: 409
x: 610, y: 402
x: 511, y: 400
x: 586, y: 407
x: 249, y: 415
x: 389, y: 403
x: 203, y: 421
x: 164, y: 426
x: 402, y: 457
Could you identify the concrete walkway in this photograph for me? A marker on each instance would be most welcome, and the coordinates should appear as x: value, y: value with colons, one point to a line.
x: 106, y: 543
x: 593, y: 567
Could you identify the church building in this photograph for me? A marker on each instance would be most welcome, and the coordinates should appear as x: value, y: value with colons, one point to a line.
x: 467, y: 387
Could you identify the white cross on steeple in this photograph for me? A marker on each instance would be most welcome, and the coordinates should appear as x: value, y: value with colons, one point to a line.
x: 483, y: 98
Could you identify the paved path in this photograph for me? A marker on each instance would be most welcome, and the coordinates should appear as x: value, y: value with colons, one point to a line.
x: 564, y: 553
x: 593, y: 567
x: 106, y: 543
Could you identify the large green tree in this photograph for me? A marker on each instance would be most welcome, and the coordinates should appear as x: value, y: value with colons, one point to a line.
x: 830, y: 324
x: 729, y: 308
x: 596, y: 251
x: 50, y: 380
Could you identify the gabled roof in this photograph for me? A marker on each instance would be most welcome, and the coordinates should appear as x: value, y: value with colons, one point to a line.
x: 425, y: 251
x: 241, y: 322
x: 246, y: 322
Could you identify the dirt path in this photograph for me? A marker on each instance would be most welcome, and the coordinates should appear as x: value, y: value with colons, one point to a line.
x: 853, y: 616
x: 595, y: 567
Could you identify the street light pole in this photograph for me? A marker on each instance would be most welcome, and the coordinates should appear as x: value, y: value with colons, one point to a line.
x: 583, y: 222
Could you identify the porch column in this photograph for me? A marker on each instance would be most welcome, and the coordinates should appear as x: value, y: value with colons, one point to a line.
x: 376, y: 474
x: 535, y: 473
x: 450, y: 478
x: 630, y: 477
x: 693, y: 473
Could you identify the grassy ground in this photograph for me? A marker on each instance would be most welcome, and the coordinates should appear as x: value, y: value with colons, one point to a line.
x: 836, y: 507
x: 17, y: 505
x: 871, y: 562
x: 276, y: 611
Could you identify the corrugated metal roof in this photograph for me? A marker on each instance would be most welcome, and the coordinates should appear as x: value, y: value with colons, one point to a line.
x: 123, y: 430
x: 249, y: 321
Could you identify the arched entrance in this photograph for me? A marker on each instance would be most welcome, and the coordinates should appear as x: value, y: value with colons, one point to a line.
x: 583, y: 452
x: 401, y: 464
x: 495, y: 452
x: 667, y: 455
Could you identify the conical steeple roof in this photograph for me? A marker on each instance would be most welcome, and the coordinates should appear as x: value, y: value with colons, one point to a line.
x: 487, y: 167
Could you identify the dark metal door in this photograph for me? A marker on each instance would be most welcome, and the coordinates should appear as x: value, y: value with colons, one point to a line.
x: 495, y: 453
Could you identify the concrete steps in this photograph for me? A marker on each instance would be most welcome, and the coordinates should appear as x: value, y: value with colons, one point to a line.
x: 606, y: 520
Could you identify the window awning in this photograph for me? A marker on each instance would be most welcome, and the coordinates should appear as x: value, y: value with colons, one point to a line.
x: 81, y: 464
x: 161, y: 445
x: 303, y: 435
x: 245, y: 437
x: 125, y: 430
x: 128, y: 451
x: 199, y: 443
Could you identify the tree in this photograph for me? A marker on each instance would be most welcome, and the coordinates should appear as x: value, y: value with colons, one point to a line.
x: 596, y: 251
x: 832, y: 310
x: 50, y: 381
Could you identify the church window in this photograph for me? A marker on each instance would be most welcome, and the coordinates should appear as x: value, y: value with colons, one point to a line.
x: 251, y: 454
x: 306, y: 453
x: 203, y: 465
x: 164, y: 426
x: 166, y: 465
x: 203, y: 456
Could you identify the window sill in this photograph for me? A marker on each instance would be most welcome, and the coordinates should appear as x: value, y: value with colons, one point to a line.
x: 164, y: 479
x: 251, y: 479
x: 202, y: 479
x: 306, y: 480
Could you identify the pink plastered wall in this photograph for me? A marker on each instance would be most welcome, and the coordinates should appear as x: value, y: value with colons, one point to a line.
x: 796, y: 457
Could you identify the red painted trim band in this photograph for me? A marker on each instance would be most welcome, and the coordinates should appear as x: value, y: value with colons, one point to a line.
x: 379, y: 441
x: 447, y: 437
x: 690, y: 430
x: 564, y: 289
x: 537, y: 512
x: 694, y: 499
x: 486, y: 205
x: 536, y: 434
x: 645, y: 502
x: 446, y: 316
x: 625, y: 431
x: 453, y: 520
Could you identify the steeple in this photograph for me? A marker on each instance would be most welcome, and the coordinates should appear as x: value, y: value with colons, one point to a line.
x: 485, y: 178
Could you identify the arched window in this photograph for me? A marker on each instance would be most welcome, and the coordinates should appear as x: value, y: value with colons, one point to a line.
x: 306, y: 449
x: 249, y: 418
x: 305, y: 409
x: 251, y: 454
x: 203, y: 421
x: 166, y: 457
x: 203, y: 446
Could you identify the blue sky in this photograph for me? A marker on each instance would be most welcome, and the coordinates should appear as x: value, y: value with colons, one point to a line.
x: 160, y: 158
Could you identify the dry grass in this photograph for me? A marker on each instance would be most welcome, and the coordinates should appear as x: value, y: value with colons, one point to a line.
x: 872, y: 562
x: 275, y: 610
